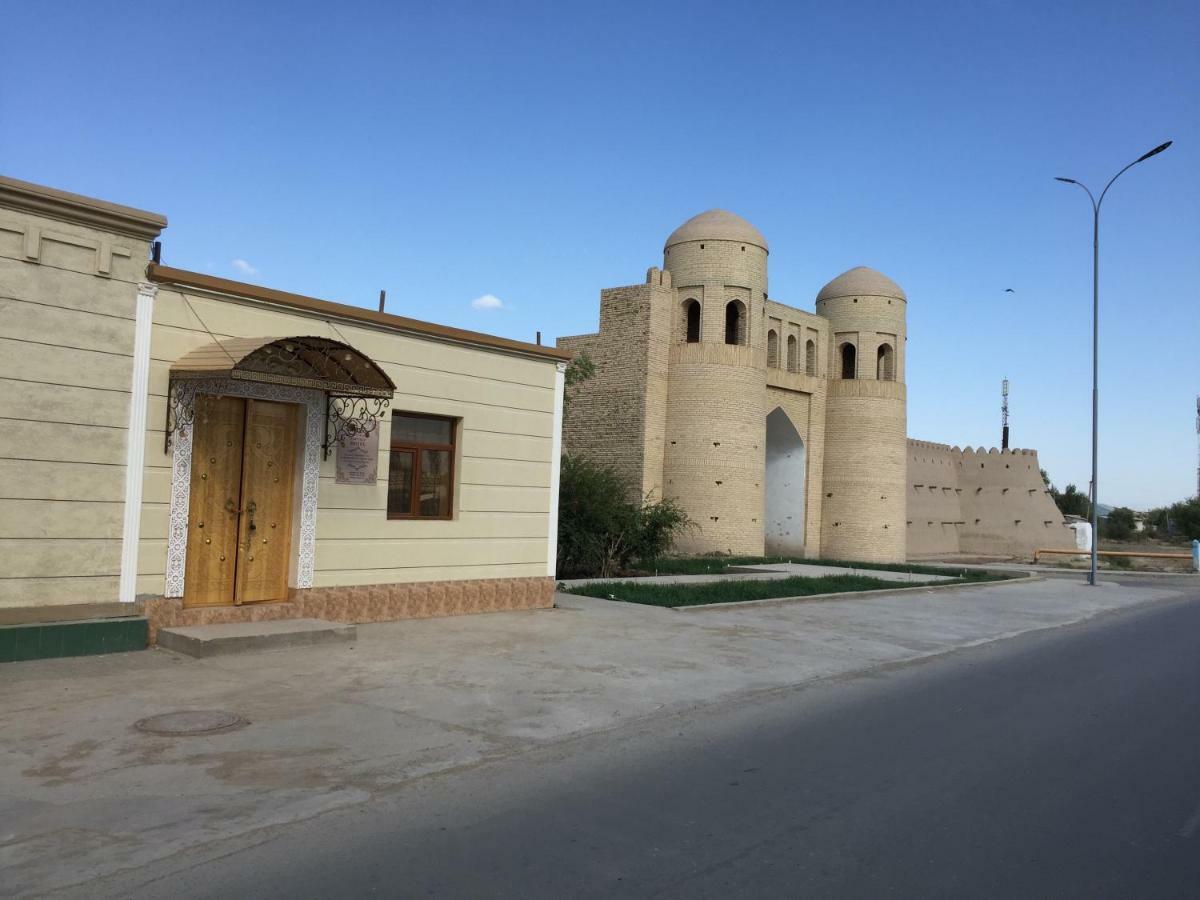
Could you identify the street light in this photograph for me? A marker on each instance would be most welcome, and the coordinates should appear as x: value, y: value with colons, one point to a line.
x: 1096, y: 335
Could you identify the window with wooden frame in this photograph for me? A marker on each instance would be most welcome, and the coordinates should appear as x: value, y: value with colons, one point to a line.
x: 421, y: 467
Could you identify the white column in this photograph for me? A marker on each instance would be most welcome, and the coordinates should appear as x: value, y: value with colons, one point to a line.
x: 135, y: 452
x: 555, y: 461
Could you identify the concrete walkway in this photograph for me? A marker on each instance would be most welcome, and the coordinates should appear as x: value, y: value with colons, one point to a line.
x: 806, y: 570
x: 83, y: 794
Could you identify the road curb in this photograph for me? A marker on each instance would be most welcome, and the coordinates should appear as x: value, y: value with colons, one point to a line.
x: 779, y: 601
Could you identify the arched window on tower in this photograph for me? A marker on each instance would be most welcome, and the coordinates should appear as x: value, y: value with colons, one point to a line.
x: 791, y: 353
x: 735, y: 322
x: 772, y: 349
x: 885, y: 369
x: 849, y: 361
x: 691, y: 321
x: 810, y: 357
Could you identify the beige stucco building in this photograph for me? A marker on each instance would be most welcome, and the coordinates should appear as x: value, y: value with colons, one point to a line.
x: 783, y: 431
x: 222, y: 451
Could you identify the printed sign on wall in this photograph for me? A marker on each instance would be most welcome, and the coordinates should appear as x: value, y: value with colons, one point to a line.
x: 358, y: 458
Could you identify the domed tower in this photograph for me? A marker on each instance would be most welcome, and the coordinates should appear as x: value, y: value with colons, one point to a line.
x: 863, y: 514
x: 716, y: 379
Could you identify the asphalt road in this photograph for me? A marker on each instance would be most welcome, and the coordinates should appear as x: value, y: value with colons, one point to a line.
x: 1062, y: 763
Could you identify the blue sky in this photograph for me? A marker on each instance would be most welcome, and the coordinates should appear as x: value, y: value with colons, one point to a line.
x: 537, y: 152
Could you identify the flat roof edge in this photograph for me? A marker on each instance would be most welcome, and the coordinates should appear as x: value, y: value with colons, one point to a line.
x: 167, y: 275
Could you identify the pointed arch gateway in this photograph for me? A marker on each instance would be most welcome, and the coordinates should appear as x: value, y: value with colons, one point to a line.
x: 784, y: 487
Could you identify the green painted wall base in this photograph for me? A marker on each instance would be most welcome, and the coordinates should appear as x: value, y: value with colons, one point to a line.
x: 44, y: 640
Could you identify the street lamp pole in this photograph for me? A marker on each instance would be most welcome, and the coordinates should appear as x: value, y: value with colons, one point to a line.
x: 1096, y: 338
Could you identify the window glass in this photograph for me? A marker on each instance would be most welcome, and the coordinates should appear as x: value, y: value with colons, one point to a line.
x: 400, y: 478
x: 435, y: 483
x: 420, y: 430
x: 421, y: 467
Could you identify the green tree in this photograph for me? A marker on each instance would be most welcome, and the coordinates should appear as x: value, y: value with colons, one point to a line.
x: 1186, y: 514
x: 1179, y: 520
x: 1071, y: 502
x: 600, y: 531
x: 1119, y: 525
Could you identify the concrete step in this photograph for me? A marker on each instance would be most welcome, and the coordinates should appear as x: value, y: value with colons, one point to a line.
x: 241, y: 637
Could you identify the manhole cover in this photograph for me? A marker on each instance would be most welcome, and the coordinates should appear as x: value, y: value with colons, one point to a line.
x: 196, y: 721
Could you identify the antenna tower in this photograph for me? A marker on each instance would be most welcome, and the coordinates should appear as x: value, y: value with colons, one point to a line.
x: 1004, y: 414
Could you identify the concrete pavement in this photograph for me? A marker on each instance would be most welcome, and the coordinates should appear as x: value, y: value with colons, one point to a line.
x: 1061, y: 763
x: 82, y: 794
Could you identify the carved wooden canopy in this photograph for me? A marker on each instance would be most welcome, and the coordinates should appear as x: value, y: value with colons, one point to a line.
x: 309, y: 362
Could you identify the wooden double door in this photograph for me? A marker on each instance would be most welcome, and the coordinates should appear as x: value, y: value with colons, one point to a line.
x: 242, y: 495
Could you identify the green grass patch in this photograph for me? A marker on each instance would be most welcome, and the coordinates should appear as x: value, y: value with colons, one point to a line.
x: 716, y: 565
x: 675, y: 595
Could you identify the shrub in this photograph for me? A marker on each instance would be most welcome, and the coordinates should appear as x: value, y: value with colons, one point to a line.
x: 600, y: 531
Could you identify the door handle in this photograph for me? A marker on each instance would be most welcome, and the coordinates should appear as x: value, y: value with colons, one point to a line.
x: 252, y: 508
x: 230, y: 506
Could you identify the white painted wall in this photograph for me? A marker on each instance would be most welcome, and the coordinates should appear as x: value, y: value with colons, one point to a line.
x: 1083, y: 535
x: 783, y: 529
x: 560, y: 380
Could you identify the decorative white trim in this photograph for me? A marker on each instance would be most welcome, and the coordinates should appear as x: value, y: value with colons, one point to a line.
x: 560, y: 375
x: 135, y: 450
x: 181, y: 471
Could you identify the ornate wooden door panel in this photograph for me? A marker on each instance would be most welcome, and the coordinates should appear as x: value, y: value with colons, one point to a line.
x: 215, y: 500
x: 268, y: 465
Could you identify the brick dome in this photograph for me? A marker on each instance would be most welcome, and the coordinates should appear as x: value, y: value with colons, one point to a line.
x: 861, y: 282
x: 717, y: 225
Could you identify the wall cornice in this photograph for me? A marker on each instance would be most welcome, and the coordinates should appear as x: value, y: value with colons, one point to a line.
x: 25, y: 196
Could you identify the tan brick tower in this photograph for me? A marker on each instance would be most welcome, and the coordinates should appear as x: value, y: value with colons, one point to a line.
x: 863, y: 508
x: 715, y: 425
x: 781, y: 431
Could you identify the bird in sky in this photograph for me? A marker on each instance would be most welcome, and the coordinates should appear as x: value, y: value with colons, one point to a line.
x: 1009, y: 291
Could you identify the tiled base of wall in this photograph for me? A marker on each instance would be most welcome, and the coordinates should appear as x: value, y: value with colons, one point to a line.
x: 367, y: 603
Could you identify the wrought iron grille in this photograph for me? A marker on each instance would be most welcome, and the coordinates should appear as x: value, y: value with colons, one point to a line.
x: 348, y: 416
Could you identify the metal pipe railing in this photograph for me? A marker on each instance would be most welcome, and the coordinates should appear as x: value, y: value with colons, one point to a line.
x: 1149, y: 554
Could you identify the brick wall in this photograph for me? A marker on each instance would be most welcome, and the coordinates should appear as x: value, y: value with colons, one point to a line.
x: 865, y: 498
x: 607, y: 416
x: 715, y: 450
x: 865, y: 472
x: 979, y: 502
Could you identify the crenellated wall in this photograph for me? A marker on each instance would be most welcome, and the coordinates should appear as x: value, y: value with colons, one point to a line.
x: 934, y: 505
x: 979, y: 502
